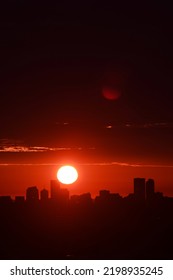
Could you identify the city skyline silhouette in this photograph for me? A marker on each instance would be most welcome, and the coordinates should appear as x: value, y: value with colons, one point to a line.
x: 91, y: 93
x: 88, y: 85
x: 142, y: 187
x: 59, y: 226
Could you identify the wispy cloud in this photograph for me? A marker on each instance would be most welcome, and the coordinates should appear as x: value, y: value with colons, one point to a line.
x: 15, y: 146
x: 112, y: 124
x: 127, y: 164
x: 123, y: 164
x: 30, y: 149
x: 150, y: 125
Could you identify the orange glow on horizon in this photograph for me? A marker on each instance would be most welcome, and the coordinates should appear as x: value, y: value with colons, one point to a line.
x: 118, y: 178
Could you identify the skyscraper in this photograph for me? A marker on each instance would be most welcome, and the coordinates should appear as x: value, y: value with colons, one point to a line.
x: 54, y: 189
x: 149, y: 189
x: 59, y: 195
x: 139, y: 189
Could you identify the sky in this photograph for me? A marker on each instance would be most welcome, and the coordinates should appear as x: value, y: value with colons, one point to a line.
x: 88, y: 85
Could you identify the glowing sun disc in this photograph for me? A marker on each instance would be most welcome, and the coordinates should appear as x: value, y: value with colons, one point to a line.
x: 67, y: 174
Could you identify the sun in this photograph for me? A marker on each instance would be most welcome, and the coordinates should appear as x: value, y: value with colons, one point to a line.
x: 67, y: 174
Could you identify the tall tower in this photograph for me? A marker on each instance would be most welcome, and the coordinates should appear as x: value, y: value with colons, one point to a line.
x: 59, y: 195
x: 139, y: 189
x: 54, y: 189
x: 149, y: 189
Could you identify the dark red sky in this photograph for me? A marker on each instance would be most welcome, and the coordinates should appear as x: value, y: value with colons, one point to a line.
x: 56, y: 61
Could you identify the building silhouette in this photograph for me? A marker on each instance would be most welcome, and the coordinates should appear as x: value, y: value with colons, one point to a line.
x: 64, y: 195
x: 5, y: 200
x: 104, y: 193
x: 44, y: 195
x: 32, y: 194
x: 19, y: 199
x: 85, y: 199
x: 54, y: 189
x: 150, y: 192
x: 139, y: 189
x: 59, y: 195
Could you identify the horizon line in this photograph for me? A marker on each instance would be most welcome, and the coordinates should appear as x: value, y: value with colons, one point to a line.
x: 123, y: 164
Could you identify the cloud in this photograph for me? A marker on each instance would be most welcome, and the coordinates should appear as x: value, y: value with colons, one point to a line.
x: 25, y: 149
x: 15, y: 146
x: 127, y: 164
x: 123, y: 164
x: 150, y: 125
x: 30, y: 149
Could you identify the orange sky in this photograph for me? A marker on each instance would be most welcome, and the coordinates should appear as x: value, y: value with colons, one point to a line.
x: 15, y: 179
x: 86, y: 92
